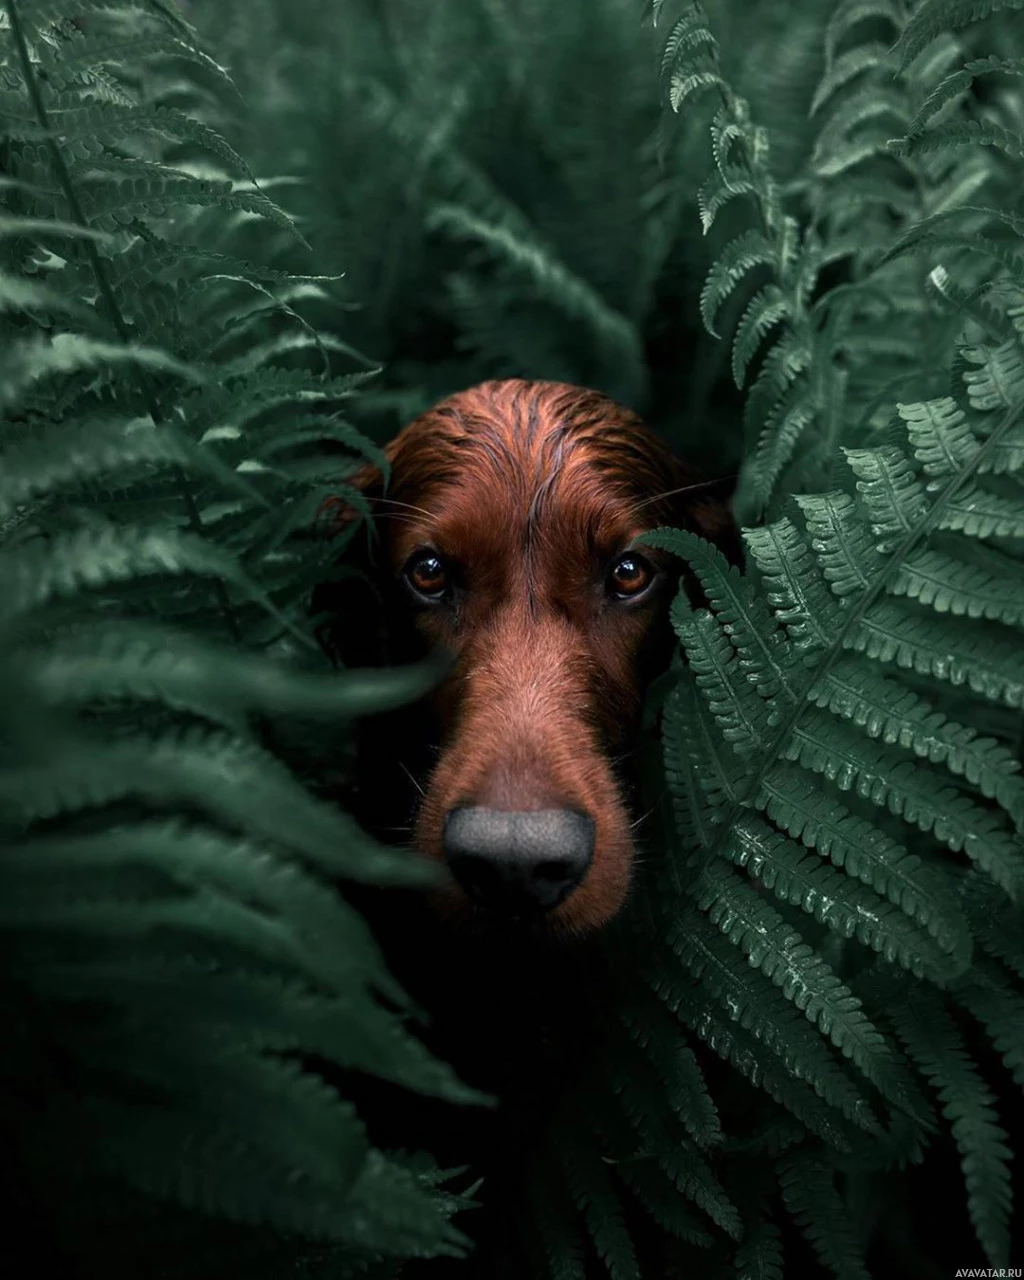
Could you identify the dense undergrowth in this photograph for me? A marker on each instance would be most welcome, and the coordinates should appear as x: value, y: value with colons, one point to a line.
x: 810, y: 1042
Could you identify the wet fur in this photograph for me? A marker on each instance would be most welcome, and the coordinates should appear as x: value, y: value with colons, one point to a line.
x: 532, y: 488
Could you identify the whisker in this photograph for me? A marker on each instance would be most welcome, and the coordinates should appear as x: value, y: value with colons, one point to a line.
x: 394, y: 502
x: 412, y: 777
x: 686, y: 488
x: 398, y: 517
x: 643, y: 817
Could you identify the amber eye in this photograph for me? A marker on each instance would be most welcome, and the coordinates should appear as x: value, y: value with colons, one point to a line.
x: 630, y: 575
x: 427, y: 575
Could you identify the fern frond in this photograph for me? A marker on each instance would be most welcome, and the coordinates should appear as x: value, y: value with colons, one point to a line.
x: 695, y: 1181
x: 13, y: 225
x: 998, y: 381
x: 980, y: 656
x: 794, y: 802
x: 996, y: 923
x: 885, y: 710
x: 872, y: 102
x: 742, y: 1050
x: 232, y: 782
x: 849, y: 559
x: 392, y: 1212
x: 809, y: 1193
x: 804, y: 881
x: 872, y: 56
x: 772, y: 1020
x: 100, y: 557
x: 801, y: 974
x: 46, y: 12
x: 678, y: 1071
x: 742, y: 717
x: 68, y: 455
x: 109, y: 123
x: 722, y: 185
x: 958, y: 82
x: 661, y: 1199
x: 591, y: 1189
x: 959, y: 133
x: 689, y: 63
x: 798, y: 594
x: 751, y: 628
x: 895, y: 500
x: 942, y: 440
x: 988, y: 588
x: 747, y: 251
x: 935, y: 17
x: 879, y: 774
x: 124, y: 1141
x: 553, y: 281
x: 34, y: 359
x: 554, y: 1219
x: 999, y: 1007
x: 850, y: 13
x: 766, y: 309
x: 759, y: 1257
x: 18, y: 294
x: 777, y: 444
x: 115, y: 204
x: 980, y: 513
x: 934, y: 1043
x: 87, y: 51
x: 136, y: 660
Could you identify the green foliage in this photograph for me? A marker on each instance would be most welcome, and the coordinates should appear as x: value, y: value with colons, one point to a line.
x: 837, y: 318
x: 498, y: 183
x: 174, y: 942
x: 819, y: 981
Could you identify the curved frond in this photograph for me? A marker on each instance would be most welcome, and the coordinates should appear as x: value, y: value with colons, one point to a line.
x: 809, y: 1193
x: 766, y: 309
x: 935, y: 17
x: 747, y: 251
x: 936, y: 1047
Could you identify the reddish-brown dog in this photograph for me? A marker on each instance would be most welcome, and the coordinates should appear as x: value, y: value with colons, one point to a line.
x: 509, y: 530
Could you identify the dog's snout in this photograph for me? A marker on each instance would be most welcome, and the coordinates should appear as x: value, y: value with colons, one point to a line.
x: 518, y: 860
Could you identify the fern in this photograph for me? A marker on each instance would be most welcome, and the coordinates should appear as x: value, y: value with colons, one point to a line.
x: 819, y: 972
x: 828, y: 581
x: 810, y: 1196
x: 933, y: 1041
x: 795, y: 419
x: 171, y: 933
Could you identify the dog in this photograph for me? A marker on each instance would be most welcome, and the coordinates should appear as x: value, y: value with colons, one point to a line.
x: 507, y: 536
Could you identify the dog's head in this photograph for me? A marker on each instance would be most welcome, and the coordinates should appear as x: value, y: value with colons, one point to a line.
x: 508, y: 536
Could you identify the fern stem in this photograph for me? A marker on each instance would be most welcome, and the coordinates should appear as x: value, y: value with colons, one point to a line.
x: 99, y: 271
x: 770, y: 755
x: 63, y: 176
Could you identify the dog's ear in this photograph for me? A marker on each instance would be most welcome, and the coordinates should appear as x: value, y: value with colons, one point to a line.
x: 709, y: 515
x: 340, y: 515
x: 347, y: 607
x: 704, y: 506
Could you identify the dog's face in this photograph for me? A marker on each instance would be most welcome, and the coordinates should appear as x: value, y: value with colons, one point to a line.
x: 509, y: 538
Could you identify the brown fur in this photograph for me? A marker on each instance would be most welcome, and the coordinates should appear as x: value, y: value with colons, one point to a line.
x: 533, y: 488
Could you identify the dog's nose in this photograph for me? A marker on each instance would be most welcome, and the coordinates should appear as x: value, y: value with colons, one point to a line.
x: 525, y: 860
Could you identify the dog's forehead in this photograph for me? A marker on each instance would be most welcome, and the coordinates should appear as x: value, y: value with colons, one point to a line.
x: 529, y: 434
x: 544, y: 466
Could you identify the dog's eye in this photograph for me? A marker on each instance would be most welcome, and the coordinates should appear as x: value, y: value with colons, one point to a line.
x: 427, y: 575
x: 630, y: 575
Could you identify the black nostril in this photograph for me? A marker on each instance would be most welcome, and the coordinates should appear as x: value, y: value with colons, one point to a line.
x: 510, y: 860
